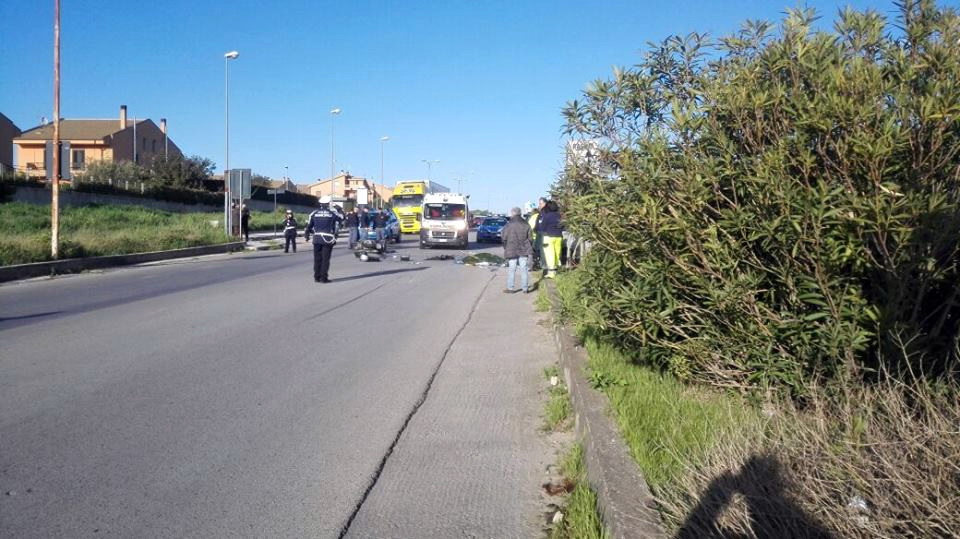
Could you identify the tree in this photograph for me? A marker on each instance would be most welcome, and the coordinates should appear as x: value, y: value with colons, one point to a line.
x: 778, y: 207
x: 181, y: 172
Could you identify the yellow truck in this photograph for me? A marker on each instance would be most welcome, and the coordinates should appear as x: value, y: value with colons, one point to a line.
x: 407, y: 202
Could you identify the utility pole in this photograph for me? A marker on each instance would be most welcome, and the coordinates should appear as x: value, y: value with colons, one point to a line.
x: 383, y: 181
x: 333, y: 113
x: 55, y: 181
x: 227, y: 213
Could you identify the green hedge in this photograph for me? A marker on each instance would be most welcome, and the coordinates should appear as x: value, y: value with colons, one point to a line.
x: 156, y: 192
x: 780, y: 206
x: 288, y: 197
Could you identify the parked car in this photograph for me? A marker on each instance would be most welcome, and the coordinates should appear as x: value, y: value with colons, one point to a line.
x: 393, y: 226
x: 491, y: 229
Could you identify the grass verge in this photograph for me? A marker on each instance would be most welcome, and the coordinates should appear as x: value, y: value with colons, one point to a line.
x: 581, y: 518
x: 99, y: 230
x: 542, y: 302
x: 556, y: 415
x: 855, y: 461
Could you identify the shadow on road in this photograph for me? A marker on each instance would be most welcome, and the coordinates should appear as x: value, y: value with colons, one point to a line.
x: 27, y: 316
x: 377, y: 274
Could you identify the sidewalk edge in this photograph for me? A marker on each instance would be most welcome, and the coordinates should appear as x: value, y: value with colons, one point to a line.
x: 74, y: 265
x: 626, y: 505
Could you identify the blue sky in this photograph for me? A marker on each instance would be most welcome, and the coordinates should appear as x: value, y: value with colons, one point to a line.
x: 477, y: 85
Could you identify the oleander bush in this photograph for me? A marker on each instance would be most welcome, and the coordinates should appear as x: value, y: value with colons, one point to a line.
x: 778, y: 207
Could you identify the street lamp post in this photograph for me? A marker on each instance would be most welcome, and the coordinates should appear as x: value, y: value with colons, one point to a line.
x: 383, y: 180
x: 430, y: 164
x: 55, y: 177
x: 333, y: 114
x: 232, y: 55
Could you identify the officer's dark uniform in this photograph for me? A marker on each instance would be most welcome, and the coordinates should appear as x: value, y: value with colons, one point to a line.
x: 322, y: 225
x: 290, y: 234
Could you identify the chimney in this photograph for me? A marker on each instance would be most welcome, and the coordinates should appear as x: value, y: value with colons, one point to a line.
x: 163, y: 125
x: 123, y: 116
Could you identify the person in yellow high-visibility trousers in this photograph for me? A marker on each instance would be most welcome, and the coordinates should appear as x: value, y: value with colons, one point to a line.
x: 532, y: 220
x: 551, y: 229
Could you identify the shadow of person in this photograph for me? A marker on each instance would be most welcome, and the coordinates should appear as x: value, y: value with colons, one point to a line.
x: 377, y: 274
x: 770, y: 511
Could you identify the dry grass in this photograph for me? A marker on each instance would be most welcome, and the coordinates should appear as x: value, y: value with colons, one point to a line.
x: 881, y: 461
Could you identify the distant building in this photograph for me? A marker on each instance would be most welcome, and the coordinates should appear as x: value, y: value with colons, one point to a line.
x: 95, y: 140
x: 285, y: 185
x: 345, y: 186
x: 8, y: 132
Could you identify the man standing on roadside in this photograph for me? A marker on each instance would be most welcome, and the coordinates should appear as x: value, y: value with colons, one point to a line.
x: 245, y: 222
x: 532, y: 220
x: 365, y: 222
x: 517, y: 249
x: 322, y: 224
x: 352, y: 222
x: 380, y: 223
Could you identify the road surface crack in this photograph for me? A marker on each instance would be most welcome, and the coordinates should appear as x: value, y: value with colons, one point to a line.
x: 413, y: 412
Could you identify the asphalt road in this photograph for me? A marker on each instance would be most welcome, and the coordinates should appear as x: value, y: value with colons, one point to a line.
x: 231, y: 396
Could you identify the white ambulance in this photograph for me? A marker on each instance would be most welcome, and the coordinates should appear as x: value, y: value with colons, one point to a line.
x: 444, y: 220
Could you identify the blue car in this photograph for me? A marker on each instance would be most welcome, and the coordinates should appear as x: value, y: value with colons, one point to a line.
x: 491, y: 230
x: 392, y: 228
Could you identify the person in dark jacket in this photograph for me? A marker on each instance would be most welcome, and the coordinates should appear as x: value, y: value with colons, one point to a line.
x: 245, y: 222
x: 380, y: 224
x: 289, y: 232
x: 517, y: 249
x: 537, y: 237
x: 352, y: 222
x: 365, y: 218
x: 550, y: 228
x: 322, y: 224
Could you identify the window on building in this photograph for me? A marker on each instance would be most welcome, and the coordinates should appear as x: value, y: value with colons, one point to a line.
x: 78, y: 159
x: 153, y: 145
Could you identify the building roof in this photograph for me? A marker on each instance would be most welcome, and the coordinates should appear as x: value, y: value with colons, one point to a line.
x: 77, y: 130
x: 9, y: 122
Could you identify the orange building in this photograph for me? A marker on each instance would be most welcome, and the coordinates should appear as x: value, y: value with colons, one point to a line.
x: 345, y: 186
x: 95, y: 140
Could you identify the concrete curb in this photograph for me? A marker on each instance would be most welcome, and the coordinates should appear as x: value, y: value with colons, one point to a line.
x: 74, y: 265
x: 626, y: 505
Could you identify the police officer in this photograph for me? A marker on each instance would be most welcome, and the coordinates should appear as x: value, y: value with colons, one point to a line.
x: 322, y: 224
x: 290, y: 232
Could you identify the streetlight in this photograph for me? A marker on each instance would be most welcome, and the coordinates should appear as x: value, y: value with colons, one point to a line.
x: 232, y: 55
x: 333, y: 114
x: 383, y: 180
x: 429, y: 165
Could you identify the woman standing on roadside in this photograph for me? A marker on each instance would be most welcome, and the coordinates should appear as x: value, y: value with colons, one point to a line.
x: 550, y: 228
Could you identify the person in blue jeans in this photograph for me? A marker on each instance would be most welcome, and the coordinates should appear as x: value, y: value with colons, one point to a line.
x: 517, y: 249
x: 352, y: 223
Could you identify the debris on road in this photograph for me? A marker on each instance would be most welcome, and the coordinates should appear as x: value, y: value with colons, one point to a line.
x: 483, y: 260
